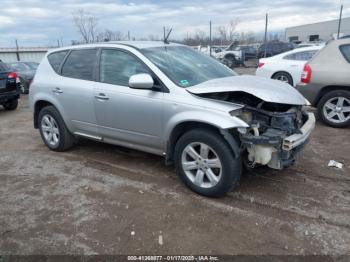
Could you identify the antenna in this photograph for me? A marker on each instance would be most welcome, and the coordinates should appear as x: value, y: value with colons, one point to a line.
x: 167, y: 36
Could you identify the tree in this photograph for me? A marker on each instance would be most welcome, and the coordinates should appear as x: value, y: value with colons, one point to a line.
x: 109, y: 35
x: 222, y: 33
x: 232, y: 29
x: 152, y: 37
x: 228, y: 32
x: 200, y: 36
x: 86, y: 25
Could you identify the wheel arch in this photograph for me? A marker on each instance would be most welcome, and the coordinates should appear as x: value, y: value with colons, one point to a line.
x: 39, y: 104
x: 183, y: 127
x: 328, y: 89
x: 284, y: 72
x: 230, y: 55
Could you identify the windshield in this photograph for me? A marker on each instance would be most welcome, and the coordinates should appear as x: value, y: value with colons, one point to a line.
x: 186, y: 67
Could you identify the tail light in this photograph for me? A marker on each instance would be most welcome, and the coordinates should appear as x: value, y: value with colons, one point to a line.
x: 306, y: 74
x: 14, y: 75
x: 261, y: 65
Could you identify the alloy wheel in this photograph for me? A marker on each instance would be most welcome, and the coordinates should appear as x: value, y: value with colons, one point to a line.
x: 201, y: 165
x: 337, y: 110
x: 283, y: 78
x: 50, y: 130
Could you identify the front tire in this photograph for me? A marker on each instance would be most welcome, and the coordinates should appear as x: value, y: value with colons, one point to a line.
x: 11, y: 105
x: 53, y: 130
x: 334, y: 108
x: 206, y: 163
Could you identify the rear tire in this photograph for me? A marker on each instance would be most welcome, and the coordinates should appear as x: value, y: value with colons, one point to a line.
x: 53, y: 130
x: 12, y: 105
x: 334, y: 108
x: 210, y: 174
x: 283, y: 77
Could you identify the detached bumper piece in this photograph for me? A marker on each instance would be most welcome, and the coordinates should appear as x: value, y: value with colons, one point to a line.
x: 274, y: 147
x: 295, y: 140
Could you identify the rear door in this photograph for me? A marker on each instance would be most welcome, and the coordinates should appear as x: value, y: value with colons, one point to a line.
x: 74, y: 90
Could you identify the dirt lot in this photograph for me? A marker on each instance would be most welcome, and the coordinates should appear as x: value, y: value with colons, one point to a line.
x: 102, y: 199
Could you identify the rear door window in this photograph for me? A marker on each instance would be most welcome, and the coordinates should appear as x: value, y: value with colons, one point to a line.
x: 55, y: 59
x: 80, y: 64
x: 345, y: 50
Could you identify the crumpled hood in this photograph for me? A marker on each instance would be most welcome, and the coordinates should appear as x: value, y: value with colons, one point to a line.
x: 269, y: 90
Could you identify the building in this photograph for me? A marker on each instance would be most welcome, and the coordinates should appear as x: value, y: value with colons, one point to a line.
x: 321, y: 31
x: 27, y: 54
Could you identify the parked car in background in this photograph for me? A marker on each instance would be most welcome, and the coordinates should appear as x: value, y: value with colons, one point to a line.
x: 25, y: 72
x: 286, y: 67
x: 310, y: 44
x: 274, y: 48
x: 325, y: 82
x: 170, y: 100
x: 9, y: 87
x: 230, y: 56
x: 248, y: 52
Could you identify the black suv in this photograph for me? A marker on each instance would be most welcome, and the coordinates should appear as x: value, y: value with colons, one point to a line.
x: 274, y: 48
x: 9, y: 87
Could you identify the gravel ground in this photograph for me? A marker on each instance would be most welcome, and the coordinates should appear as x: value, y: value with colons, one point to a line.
x: 103, y: 199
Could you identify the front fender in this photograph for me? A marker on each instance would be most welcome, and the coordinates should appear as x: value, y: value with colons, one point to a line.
x: 220, y: 120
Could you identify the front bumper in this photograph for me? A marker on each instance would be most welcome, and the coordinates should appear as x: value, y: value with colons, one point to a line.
x: 275, y: 150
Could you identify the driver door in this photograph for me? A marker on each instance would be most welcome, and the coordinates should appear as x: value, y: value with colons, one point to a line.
x: 126, y: 116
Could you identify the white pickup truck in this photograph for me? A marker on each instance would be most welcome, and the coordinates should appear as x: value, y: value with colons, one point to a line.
x: 232, y: 55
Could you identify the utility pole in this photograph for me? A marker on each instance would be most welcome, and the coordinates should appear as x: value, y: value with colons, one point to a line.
x: 129, y: 35
x: 17, y: 51
x: 210, y: 38
x: 340, y: 16
x: 58, y: 43
x: 265, y: 38
x: 163, y: 33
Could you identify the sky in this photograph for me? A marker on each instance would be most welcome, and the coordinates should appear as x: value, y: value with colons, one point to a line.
x: 42, y: 23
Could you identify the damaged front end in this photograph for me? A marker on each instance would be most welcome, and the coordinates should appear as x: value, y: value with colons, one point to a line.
x: 276, y: 132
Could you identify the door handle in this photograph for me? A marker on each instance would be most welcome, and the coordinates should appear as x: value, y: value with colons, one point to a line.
x: 57, y: 90
x: 101, y: 96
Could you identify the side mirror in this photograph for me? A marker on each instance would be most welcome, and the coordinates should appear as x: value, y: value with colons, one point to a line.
x: 141, y: 81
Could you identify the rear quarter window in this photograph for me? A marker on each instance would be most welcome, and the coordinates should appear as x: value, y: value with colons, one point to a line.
x: 80, y: 64
x: 55, y: 59
x: 345, y: 50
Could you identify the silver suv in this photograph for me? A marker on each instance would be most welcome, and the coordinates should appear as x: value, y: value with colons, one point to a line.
x: 325, y: 83
x: 170, y: 100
